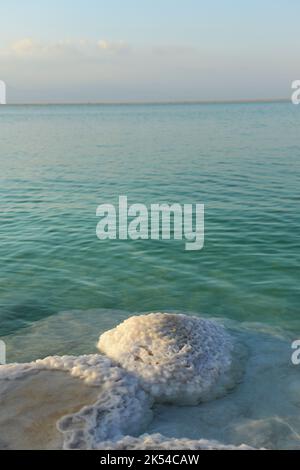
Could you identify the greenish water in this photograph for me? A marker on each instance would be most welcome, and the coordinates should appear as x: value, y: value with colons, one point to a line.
x: 61, y: 287
x: 58, y: 163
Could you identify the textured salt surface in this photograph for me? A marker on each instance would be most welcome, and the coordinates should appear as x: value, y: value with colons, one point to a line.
x: 32, y: 404
x: 157, y: 441
x: 179, y: 359
x: 119, y: 403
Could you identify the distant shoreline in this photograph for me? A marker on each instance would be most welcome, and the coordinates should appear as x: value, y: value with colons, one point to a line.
x: 159, y: 103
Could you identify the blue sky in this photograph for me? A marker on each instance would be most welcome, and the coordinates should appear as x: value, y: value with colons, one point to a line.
x: 94, y: 50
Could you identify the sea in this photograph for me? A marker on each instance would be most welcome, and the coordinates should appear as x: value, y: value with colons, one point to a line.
x: 61, y: 287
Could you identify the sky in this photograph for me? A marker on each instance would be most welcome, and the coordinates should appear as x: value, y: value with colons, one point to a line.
x: 148, y: 50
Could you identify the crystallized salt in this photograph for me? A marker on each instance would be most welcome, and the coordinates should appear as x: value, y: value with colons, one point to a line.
x: 157, y: 442
x: 178, y: 358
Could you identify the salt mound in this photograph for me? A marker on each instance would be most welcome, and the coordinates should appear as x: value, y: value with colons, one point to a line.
x: 157, y: 442
x: 178, y: 358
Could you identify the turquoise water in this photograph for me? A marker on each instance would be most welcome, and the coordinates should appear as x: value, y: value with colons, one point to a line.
x: 58, y: 163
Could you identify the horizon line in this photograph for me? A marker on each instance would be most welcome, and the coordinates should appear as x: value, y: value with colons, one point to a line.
x: 147, y: 102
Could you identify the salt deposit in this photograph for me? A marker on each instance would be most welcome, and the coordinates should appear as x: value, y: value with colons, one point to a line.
x: 157, y: 441
x: 99, y: 402
x: 32, y: 404
x: 119, y: 402
x: 178, y: 358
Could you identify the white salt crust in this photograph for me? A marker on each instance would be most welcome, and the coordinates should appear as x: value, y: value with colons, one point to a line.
x: 157, y: 442
x: 179, y: 359
x: 157, y: 358
x: 122, y: 405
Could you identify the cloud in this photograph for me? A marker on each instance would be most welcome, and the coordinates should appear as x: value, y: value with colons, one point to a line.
x: 112, y: 46
x: 29, y: 48
x: 23, y: 46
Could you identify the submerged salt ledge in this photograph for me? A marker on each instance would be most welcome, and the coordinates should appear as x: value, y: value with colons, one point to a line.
x: 152, y: 358
x: 122, y: 405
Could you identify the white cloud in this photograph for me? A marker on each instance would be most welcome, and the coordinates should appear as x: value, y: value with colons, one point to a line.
x: 22, y: 46
x: 112, y: 46
x: 27, y: 47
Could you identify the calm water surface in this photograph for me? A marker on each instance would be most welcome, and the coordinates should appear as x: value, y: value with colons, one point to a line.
x: 58, y: 163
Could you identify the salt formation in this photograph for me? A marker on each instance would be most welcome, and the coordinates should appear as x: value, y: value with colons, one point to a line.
x: 32, y: 405
x: 157, y: 441
x: 121, y: 405
x: 178, y: 358
x: 151, y: 358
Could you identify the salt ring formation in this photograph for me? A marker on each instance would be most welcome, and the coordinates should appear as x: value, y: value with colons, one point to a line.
x: 104, y: 401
